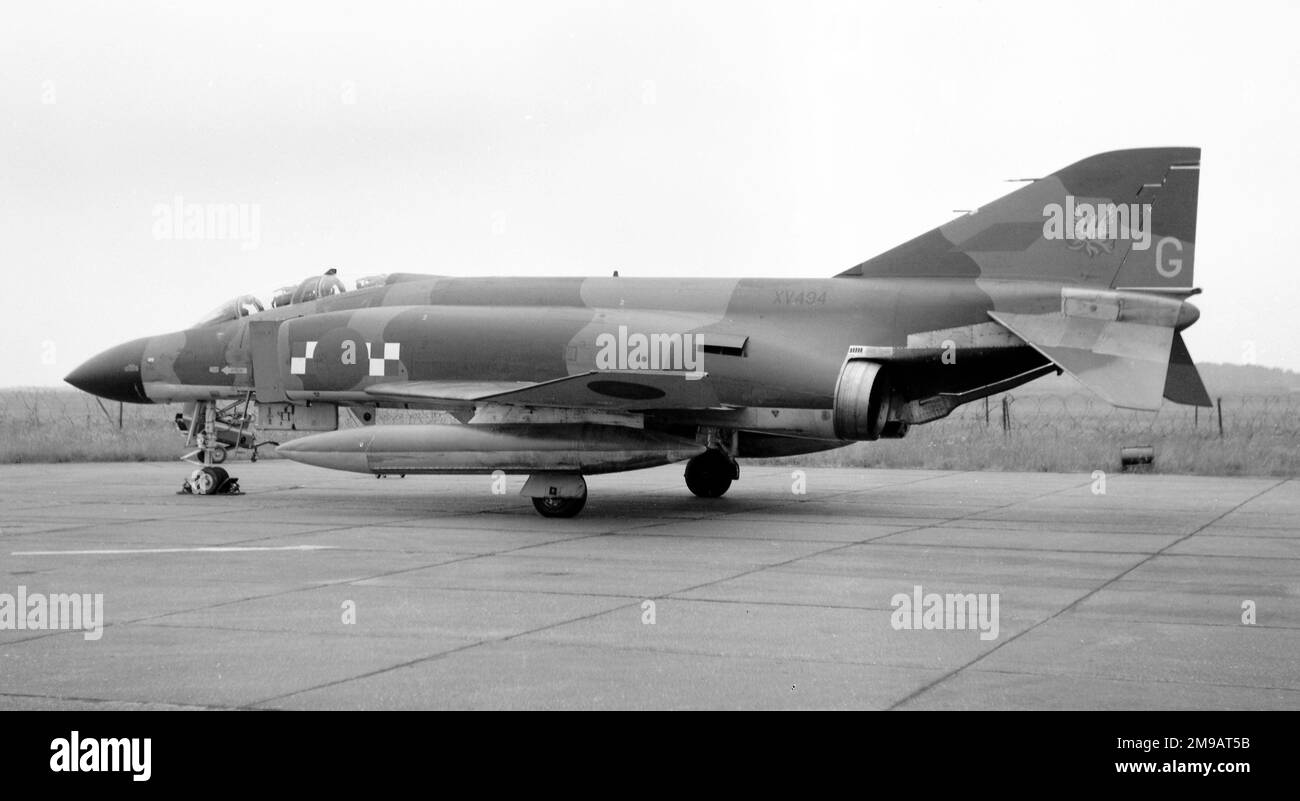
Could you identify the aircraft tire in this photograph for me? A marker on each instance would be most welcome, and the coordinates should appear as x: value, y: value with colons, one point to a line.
x: 208, y: 480
x: 709, y: 474
x: 559, y: 507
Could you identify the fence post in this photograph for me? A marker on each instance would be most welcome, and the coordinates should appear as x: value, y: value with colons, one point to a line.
x: 986, y: 411
x: 119, y: 415
x: 1220, y: 405
x: 1006, y: 415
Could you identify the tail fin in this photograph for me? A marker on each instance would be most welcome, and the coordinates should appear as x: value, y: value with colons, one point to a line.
x: 1125, y: 219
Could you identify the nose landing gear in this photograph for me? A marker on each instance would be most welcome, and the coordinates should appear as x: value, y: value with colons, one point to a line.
x: 213, y: 432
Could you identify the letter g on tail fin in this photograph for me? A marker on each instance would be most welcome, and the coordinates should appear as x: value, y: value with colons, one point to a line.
x: 1167, y: 264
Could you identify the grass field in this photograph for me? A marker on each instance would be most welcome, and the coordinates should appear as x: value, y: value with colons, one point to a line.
x: 56, y: 425
x: 1078, y: 433
x: 1054, y: 430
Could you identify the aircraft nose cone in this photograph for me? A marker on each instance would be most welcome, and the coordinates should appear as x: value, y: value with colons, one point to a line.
x: 113, y: 374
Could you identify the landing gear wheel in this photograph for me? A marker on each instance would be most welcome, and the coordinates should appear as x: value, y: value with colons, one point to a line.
x: 208, y: 480
x: 559, y: 507
x: 218, y: 455
x: 709, y: 475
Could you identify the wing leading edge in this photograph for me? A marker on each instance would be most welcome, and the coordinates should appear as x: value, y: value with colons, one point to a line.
x: 626, y: 390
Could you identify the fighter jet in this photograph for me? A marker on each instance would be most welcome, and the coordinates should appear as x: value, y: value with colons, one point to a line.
x: 1085, y: 271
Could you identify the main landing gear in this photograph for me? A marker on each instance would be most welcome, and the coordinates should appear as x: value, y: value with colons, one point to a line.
x: 710, y: 474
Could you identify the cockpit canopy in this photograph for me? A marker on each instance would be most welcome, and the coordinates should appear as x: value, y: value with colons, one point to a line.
x: 241, y: 306
x: 313, y: 287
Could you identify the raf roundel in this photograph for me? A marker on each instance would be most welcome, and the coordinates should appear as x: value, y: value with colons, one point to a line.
x: 340, y: 360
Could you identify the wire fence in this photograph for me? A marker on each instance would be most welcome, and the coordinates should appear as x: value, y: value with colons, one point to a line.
x: 43, y: 408
x: 1230, y: 416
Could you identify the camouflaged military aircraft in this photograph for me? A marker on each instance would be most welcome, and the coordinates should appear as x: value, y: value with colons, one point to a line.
x: 1085, y: 271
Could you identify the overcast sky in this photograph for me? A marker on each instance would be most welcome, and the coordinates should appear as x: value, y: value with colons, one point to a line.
x: 662, y: 139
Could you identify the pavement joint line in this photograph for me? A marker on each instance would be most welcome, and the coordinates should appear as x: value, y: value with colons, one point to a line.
x: 1094, y: 552
x: 254, y: 630
x: 89, y: 700
x: 1195, y: 555
x: 1127, y: 680
x: 1074, y: 604
x: 1028, y: 528
x: 500, y: 591
x: 1185, y: 623
x: 1024, y: 548
x: 108, y: 523
x: 1279, y: 537
x: 193, y: 549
